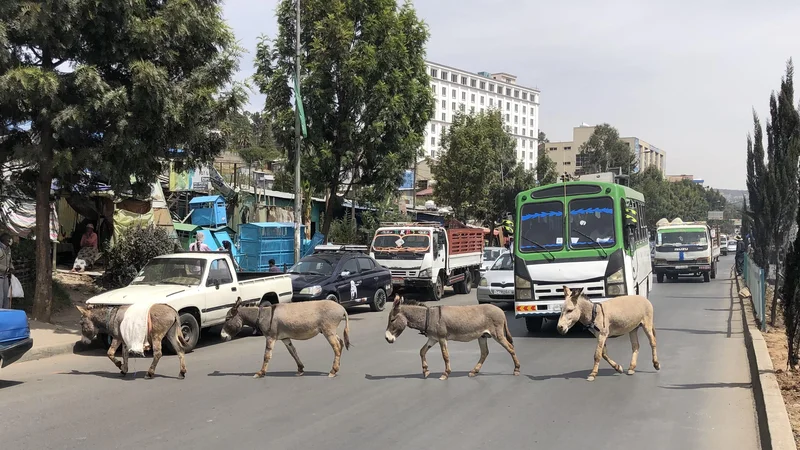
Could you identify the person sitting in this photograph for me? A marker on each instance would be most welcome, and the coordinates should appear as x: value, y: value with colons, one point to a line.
x: 88, y: 254
x: 272, y: 267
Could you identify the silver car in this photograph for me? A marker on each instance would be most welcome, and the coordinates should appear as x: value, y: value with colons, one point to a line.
x: 490, y: 255
x: 497, y: 284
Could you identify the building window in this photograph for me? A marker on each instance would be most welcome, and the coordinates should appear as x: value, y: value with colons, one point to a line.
x: 464, y: 96
x: 508, y: 106
x: 491, y: 102
x: 516, y: 93
x: 444, y: 75
x: 482, y: 99
x: 531, y: 132
x: 461, y: 107
x: 523, y: 109
x: 516, y: 107
x: 433, y: 154
x: 568, y: 163
x: 516, y: 119
x: 433, y: 128
x: 464, y: 81
x: 481, y: 110
x: 515, y: 132
x: 454, y: 106
x: 433, y: 73
x: 444, y: 104
x: 472, y: 98
x: 500, y: 104
x: 454, y: 78
x: 508, y: 119
x: 483, y: 85
x: 567, y: 148
x: 523, y: 130
x: 433, y: 140
x: 444, y: 91
x: 454, y: 93
x: 524, y: 96
x: 473, y: 82
x: 523, y: 146
x: 508, y: 92
x: 472, y: 110
x: 444, y: 117
x: 433, y: 88
x: 491, y: 87
x: 523, y: 122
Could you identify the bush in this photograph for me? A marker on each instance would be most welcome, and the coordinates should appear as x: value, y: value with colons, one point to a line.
x: 131, y: 251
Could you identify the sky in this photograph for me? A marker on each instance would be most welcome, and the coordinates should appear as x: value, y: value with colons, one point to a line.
x: 683, y: 75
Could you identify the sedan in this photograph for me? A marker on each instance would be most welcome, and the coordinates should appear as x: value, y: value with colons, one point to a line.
x: 490, y: 255
x: 732, y: 246
x: 497, y: 284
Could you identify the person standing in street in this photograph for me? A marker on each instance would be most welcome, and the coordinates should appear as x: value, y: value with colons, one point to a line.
x: 6, y: 268
x: 273, y: 268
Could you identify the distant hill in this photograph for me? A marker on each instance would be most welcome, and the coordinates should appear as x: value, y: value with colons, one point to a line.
x: 734, y: 196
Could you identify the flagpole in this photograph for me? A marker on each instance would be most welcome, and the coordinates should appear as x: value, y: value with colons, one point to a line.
x: 297, y: 194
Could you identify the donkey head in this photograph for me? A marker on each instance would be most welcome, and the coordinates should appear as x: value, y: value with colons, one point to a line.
x: 233, y: 322
x: 88, y: 329
x: 570, y: 312
x: 397, y: 320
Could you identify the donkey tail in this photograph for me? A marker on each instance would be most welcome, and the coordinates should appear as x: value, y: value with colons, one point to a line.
x: 176, y: 328
x: 346, y: 331
x: 508, y: 333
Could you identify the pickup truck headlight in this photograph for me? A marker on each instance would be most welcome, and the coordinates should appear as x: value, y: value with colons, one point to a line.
x: 426, y: 273
x: 483, y: 282
x: 311, y: 290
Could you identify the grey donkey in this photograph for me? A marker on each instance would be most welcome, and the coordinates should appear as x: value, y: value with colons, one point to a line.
x: 164, y: 322
x: 287, y: 321
x: 613, y: 317
x: 459, y: 323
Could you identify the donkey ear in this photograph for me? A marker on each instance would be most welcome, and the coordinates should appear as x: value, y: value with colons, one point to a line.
x: 567, y: 292
x: 397, y: 301
x: 84, y: 312
x: 238, y: 303
x: 577, y: 292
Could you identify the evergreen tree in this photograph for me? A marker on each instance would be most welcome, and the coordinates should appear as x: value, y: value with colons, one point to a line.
x: 546, y: 172
x: 759, y: 195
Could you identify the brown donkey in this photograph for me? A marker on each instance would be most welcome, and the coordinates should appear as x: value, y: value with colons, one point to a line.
x: 613, y: 317
x: 287, y: 321
x: 459, y: 323
x: 164, y: 322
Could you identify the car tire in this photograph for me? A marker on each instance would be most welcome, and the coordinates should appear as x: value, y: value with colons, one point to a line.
x: 659, y: 277
x: 332, y: 297
x: 378, y: 302
x: 706, y: 277
x: 190, y: 330
x: 534, y: 324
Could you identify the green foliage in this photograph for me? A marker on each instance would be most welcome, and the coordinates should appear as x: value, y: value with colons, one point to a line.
x: 365, y: 90
x: 250, y: 135
x: 542, y: 140
x: 131, y: 251
x: 478, y: 157
x: 546, y: 172
x: 111, y: 87
x: 606, y: 151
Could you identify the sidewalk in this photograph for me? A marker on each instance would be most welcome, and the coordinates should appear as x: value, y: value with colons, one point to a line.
x: 51, y: 340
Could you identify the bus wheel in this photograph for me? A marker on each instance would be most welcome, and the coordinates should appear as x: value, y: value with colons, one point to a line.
x: 534, y: 324
x: 660, y: 277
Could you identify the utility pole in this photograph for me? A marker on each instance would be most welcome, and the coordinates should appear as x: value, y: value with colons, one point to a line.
x: 297, y: 194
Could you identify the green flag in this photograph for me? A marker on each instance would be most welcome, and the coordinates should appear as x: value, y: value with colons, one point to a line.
x: 299, y: 101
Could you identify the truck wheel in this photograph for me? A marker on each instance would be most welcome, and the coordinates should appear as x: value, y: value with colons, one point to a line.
x: 660, y: 277
x: 378, y: 301
x: 534, y: 324
x: 437, y: 291
x: 706, y: 277
x: 467, y: 282
x: 190, y: 330
x: 476, y: 278
x: 713, y: 271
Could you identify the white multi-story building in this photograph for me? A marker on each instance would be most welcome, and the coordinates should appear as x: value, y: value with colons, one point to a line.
x: 459, y: 90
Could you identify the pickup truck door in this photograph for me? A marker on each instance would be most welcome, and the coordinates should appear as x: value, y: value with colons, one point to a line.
x: 349, y: 285
x: 222, y: 291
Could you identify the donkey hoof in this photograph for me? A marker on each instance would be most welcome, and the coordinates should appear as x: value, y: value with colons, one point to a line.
x: 631, y: 371
x: 300, y: 373
x: 516, y: 373
x: 123, y: 373
x: 657, y: 365
x: 331, y: 375
x: 181, y: 376
x: 148, y: 376
x: 259, y: 375
x: 590, y: 378
x: 443, y: 377
x: 619, y: 368
x: 425, y: 373
x: 472, y: 374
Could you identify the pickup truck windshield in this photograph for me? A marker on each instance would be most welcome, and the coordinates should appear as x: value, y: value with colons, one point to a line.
x: 678, y: 238
x: 313, y: 265
x: 180, y: 271
x: 395, y: 242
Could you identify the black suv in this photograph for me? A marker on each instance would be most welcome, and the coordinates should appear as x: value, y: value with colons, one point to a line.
x: 341, y: 274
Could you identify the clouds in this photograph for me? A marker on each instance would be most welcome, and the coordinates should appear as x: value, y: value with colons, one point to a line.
x: 682, y: 75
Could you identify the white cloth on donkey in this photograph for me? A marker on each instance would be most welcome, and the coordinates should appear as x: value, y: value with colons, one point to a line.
x: 134, y: 326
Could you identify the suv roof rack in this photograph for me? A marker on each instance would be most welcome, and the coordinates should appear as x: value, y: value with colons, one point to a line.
x: 331, y: 248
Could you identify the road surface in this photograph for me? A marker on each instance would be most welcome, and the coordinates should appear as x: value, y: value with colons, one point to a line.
x: 701, y: 398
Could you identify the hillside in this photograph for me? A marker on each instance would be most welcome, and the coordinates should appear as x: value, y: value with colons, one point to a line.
x: 734, y: 196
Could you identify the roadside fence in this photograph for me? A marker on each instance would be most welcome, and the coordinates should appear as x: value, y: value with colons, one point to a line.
x: 755, y: 281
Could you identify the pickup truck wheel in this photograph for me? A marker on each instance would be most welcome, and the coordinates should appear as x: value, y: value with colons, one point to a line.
x: 534, y: 324
x: 378, y: 301
x: 190, y: 330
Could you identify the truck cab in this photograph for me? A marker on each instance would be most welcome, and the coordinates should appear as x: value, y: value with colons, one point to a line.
x: 426, y: 257
x: 685, y: 248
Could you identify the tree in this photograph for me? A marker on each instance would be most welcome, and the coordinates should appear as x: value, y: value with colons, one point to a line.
x: 546, y: 172
x: 542, y: 140
x: 364, y: 86
x: 111, y: 87
x: 605, y: 150
x: 758, y: 193
x: 477, y: 154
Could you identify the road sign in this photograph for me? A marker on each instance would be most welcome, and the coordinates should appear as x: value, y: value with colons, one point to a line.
x: 715, y: 215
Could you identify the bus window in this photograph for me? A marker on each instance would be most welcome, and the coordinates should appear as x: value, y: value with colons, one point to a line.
x: 541, y: 227
x: 591, y: 218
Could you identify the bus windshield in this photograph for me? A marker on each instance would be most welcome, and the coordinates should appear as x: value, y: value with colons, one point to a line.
x: 683, y: 237
x: 591, y: 222
x: 541, y: 227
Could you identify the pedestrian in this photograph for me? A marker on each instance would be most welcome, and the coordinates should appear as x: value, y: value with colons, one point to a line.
x: 272, y: 267
x: 198, y: 245
x: 6, y: 268
x: 229, y: 250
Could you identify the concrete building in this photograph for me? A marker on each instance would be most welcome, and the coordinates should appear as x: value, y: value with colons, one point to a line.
x: 684, y: 177
x: 568, y: 158
x: 459, y: 90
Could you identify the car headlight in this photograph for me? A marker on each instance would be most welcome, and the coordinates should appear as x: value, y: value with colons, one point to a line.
x: 426, y: 273
x: 311, y: 290
x: 521, y: 283
x: 484, y: 282
x: 659, y: 261
x: 615, y: 284
x: 616, y: 277
x: 704, y: 259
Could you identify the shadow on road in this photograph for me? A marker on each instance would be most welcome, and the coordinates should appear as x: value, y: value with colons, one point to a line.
x: 284, y: 374
x: 7, y: 383
x: 132, y: 374
x: 709, y: 386
x: 693, y: 331
x: 578, y: 374
x: 434, y: 375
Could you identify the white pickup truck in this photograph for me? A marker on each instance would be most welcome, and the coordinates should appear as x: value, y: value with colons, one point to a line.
x: 201, y: 286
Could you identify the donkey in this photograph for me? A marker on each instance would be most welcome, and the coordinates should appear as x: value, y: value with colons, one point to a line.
x: 287, y: 321
x: 459, y: 323
x: 614, y: 317
x: 164, y: 322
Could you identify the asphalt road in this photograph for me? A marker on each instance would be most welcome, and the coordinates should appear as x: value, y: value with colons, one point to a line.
x: 701, y: 398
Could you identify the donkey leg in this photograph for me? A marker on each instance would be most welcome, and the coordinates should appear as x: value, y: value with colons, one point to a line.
x: 634, y: 335
x: 611, y: 362
x: 333, y: 339
x: 267, y: 357
x: 293, y: 352
x: 112, y: 352
x: 446, y: 357
x: 501, y: 339
x: 422, y: 352
x: 156, y: 357
x: 598, y: 353
x: 483, y: 342
x: 650, y: 331
x: 124, y: 368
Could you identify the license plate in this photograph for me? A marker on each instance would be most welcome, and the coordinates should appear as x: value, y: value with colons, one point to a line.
x: 705, y: 267
x: 681, y: 267
x: 497, y: 292
x: 397, y: 280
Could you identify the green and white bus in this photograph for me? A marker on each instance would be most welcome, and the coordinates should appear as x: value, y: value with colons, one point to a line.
x: 582, y: 234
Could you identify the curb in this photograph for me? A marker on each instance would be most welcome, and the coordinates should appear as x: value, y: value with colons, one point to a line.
x: 55, y: 350
x: 775, y: 430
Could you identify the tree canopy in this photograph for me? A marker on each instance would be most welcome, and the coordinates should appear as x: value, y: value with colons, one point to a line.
x: 546, y: 172
x: 112, y: 87
x: 364, y: 86
x: 605, y: 150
